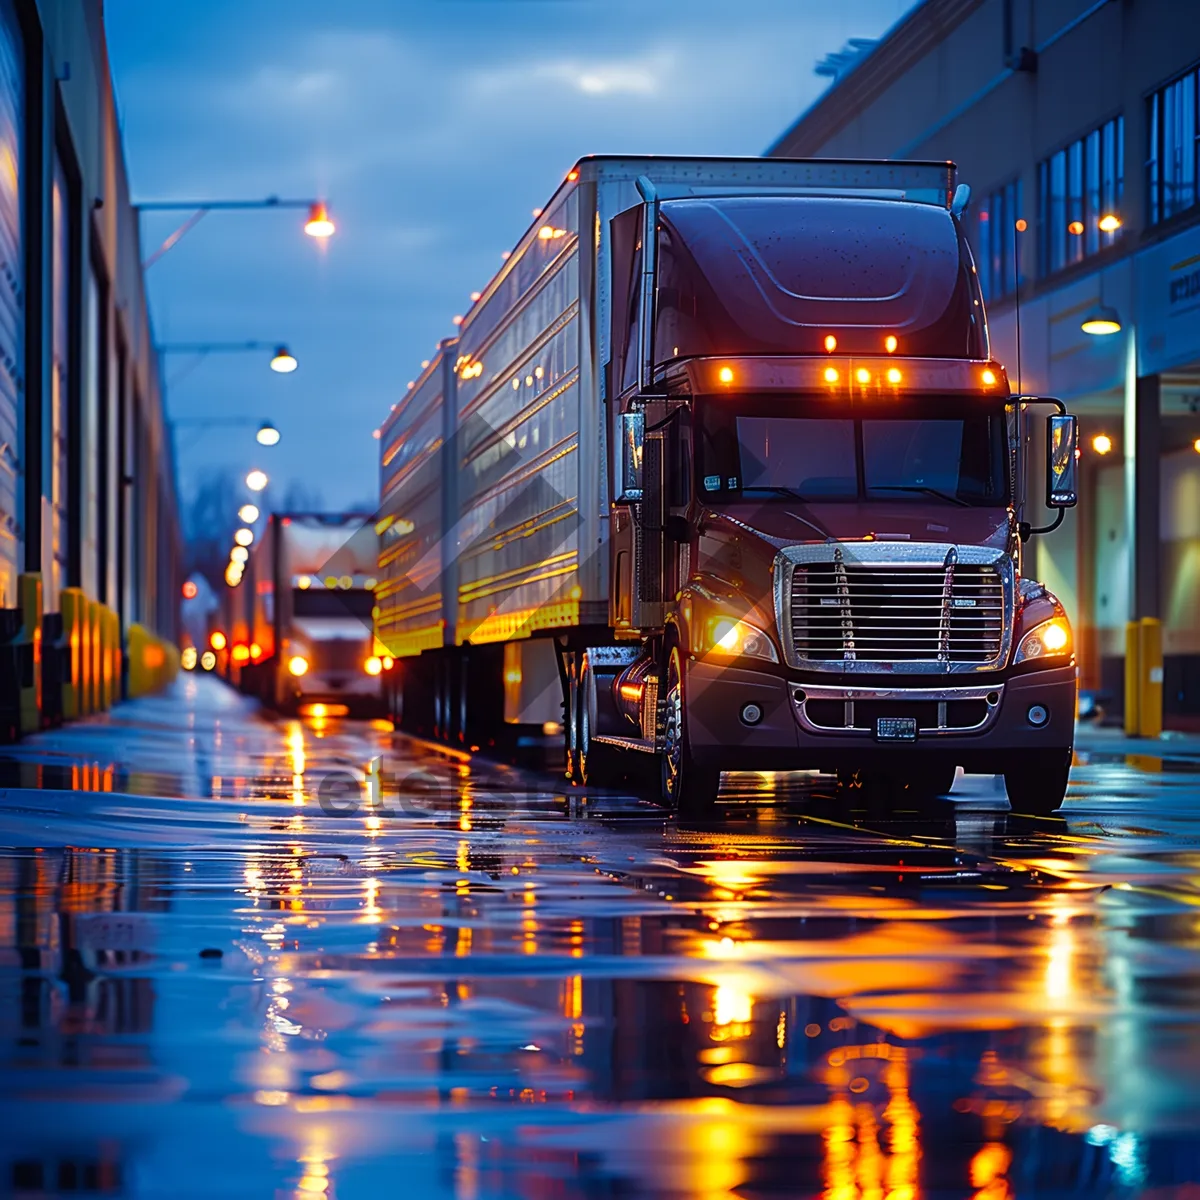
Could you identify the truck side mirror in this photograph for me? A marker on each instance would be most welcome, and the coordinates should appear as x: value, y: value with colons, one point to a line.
x: 633, y: 445
x: 1062, y: 467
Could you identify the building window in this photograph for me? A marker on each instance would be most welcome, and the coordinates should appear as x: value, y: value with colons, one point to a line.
x: 1079, y: 187
x: 996, y: 240
x: 1173, y: 162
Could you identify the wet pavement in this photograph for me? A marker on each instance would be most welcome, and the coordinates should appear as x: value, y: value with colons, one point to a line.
x: 243, y: 957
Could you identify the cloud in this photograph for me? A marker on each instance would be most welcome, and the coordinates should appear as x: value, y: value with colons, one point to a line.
x: 433, y: 130
x: 598, y: 76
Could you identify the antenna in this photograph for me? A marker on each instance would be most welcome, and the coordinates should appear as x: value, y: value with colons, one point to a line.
x: 1019, y: 227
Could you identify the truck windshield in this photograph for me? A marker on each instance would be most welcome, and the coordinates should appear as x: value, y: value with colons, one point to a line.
x: 935, y: 451
x: 330, y: 602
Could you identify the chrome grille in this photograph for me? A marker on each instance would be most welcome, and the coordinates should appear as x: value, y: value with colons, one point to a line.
x: 883, y: 606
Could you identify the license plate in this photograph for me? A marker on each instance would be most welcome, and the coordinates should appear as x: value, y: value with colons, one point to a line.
x: 896, y: 729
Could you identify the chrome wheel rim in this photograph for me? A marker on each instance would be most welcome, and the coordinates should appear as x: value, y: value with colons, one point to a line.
x: 672, y: 734
x: 585, y: 736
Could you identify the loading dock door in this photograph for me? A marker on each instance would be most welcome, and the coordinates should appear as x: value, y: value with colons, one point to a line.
x: 12, y: 294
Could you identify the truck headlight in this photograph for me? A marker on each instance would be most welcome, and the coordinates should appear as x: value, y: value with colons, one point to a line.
x: 1050, y: 639
x: 298, y: 665
x: 729, y: 637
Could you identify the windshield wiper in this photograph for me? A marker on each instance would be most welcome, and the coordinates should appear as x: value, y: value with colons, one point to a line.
x: 925, y: 491
x: 791, y: 494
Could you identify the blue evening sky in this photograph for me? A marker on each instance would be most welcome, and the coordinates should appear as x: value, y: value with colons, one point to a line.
x: 433, y: 127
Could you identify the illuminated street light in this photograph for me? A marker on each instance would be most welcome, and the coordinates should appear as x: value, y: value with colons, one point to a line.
x: 248, y: 514
x: 217, y: 640
x: 239, y: 555
x: 244, y: 537
x: 1109, y: 223
x: 318, y: 224
x: 267, y: 434
x: 282, y: 359
x: 283, y: 362
x: 1102, y: 443
x: 256, y: 481
x: 1101, y: 321
x: 233, y: 575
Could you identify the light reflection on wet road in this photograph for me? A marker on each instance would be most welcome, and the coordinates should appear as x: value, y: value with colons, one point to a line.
x: 486, y: 986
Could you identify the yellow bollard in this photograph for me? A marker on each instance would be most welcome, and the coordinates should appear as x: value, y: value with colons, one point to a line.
x: 112, y: 649
x: 73, y: 605
x: 137, y: 661
x: 1150, y: 671
x: 1133, y: 689
x: 96, y: 671
x: 29, y: 600
x: 118, y: 654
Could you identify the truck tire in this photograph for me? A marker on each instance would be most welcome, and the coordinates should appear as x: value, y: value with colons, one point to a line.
x: 1037, y: 785
x: 689, y: 789
x: 598, y: 765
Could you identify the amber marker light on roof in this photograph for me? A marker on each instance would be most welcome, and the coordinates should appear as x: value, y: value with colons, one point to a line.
x: 830, y: 343
x: 572, y: 175
x: 862, y: 375
x: 725, y: 374
x: 831, y: 374
x: 893, y: 375
x: 890, y: 343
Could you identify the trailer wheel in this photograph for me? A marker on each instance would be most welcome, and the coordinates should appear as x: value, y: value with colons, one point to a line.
x: 689, y: 789
x: 1037, y: 784
x: 598, y: 765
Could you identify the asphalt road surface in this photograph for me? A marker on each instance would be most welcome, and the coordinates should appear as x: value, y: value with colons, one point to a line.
x: 246, y: 957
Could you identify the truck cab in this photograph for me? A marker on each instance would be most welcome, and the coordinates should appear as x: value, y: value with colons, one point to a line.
x: 820, y: 503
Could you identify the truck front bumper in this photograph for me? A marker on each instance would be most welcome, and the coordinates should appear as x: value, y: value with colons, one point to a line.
x: 745, y: 720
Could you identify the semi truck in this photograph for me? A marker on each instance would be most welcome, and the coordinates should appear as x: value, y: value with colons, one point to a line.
x: 306, y: 617
x: 720, y: 474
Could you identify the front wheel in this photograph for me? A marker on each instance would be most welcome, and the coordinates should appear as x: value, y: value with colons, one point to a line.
x: 686, y: 787
x: 1037, y: 784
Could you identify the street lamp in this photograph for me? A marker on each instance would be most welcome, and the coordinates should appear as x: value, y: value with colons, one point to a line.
x: 282, y: 359
x: 248, y: 514
x: 284, y: 363
x: 1101, y: 321
x: 244, y: 536
x: 317, y: 225
x: 256, y: 480
x: 239, y: 555
x: 267, y: 435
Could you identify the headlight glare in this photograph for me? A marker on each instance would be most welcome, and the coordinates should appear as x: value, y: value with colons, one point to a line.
x: 727, y: 637
x: 1050, y: 639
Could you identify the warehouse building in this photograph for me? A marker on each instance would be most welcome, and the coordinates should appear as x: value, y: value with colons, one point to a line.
x: 87, y: 492
x: 1076, y: 124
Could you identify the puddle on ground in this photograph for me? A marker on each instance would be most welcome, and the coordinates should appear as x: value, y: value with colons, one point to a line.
x: 485, y: 986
